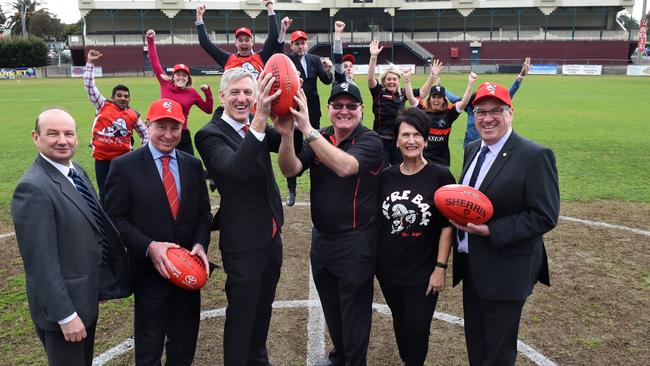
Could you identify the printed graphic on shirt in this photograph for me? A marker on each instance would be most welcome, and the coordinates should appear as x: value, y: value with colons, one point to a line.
x: 116, y: 129
x: 249, y: 67
x: 407, y: 214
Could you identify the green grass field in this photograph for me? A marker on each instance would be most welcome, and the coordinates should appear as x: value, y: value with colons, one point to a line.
x: 597, y: 126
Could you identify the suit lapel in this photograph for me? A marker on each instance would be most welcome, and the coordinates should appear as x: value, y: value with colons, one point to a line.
x: 499, y: 162
x: 68, y: 189
x: 471, y: 153
x: 150, y: 171
x: 296, y: 60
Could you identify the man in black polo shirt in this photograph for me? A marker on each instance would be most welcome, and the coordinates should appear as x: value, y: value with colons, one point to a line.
x: 345, y: 161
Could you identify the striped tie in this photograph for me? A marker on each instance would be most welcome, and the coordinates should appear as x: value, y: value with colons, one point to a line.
x: 169, y: 182
x: 94, y: 208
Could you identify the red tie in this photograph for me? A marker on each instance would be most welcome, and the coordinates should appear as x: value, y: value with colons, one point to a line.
x: 170, y: 185
x: 246, y: 128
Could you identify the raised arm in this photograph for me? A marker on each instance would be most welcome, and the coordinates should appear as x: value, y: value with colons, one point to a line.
x: 433, y: 78
x: 408, y: 89
x: 471, y: 79
x: 522, y: 74
x: 207, y: 104
x: 141, y: 129
x: 272, y: 41
x: 95, y: 97
x: 284, y: 26
x: 218, y: 55
x: 372, y: 65
x: 158, y: 71
x: 337, y: 53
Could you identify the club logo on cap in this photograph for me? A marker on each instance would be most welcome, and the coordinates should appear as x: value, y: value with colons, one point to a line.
x: 491, y: 88
x: 167, y: 106
x: 437, y: 87
x: 344, y: 86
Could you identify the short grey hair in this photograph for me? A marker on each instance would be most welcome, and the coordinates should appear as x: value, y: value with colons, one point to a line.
x: 235, y: 74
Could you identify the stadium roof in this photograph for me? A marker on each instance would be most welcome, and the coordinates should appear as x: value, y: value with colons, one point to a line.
x: 465, y: 7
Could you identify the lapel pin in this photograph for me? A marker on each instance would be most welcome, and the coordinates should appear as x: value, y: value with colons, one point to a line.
x: 505, y: 154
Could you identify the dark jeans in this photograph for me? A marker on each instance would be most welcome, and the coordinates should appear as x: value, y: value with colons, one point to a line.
x: 412, y: 313
x: 392, y: 155
x: 101, y: 172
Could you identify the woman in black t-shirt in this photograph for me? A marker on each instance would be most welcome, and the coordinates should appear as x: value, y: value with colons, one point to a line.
x: 414, y: 238
x: 441, y: 116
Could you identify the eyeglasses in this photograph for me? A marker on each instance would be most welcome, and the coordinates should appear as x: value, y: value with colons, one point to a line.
x: 479, y: 113
x: 348, y: 106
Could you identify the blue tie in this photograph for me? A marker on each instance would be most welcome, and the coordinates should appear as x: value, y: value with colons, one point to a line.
x: 92, y: 204
x: 472, y: 179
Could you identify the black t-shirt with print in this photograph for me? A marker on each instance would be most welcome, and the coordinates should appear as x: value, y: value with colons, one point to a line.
x: 410, y: 224
x: 437, y: 149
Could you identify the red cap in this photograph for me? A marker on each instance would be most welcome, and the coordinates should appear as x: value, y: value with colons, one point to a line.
x: 181, y: 67
x: 488, y: 89
x: 165, y: 108
x: 349, y: 57
x: 244, y: 30
x: 298, y: 35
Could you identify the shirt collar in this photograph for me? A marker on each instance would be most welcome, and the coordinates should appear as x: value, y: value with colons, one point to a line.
x: 157, y: 154
x: 236, y: 125
x: 60, y: 167
x: 497, y: 146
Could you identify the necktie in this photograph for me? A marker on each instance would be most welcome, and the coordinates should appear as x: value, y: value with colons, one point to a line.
x: 246, y: 127
x: 94, y: 208
x: 472, y: 179
x: 169, y: 182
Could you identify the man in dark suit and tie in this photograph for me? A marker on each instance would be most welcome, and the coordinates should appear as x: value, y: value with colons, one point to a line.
x: 158, y: 199
x: 311, y: 69
x: 236, y: 155
x: 500, y: 261
x: 72, y: 253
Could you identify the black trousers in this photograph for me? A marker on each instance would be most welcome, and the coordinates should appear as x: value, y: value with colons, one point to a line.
x: 250, y: 288
x: 491, y: 327
x: 101, y: 172
x: 392, y: 155
x: 62, y: 353
x: 186, y: 142
x: 170, y: 322
x: 343, y: 267
x: 412, y: 312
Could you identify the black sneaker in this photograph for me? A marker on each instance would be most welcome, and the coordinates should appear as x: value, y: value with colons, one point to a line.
x: 291, y: 198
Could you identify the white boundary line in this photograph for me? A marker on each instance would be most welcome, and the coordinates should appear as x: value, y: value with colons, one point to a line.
x: 315, y: 325
x: 605, y: 225
x: 128, y: 344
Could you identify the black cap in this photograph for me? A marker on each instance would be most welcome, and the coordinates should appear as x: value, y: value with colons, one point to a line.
x: 437, y: 90
x: 345, y: 89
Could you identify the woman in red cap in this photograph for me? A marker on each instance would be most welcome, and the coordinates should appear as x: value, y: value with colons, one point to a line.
x: 179, y: 88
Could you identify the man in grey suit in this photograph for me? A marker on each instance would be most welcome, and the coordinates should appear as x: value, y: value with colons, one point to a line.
x: 72, y: 254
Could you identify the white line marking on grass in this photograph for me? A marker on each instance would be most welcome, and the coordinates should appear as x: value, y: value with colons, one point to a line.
x: 605, y: 225
x: 128, y: 344
x: 114, y: 352
x: 7, y: 235
x: 315, y: 325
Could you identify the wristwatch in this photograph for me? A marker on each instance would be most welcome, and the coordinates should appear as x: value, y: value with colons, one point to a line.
x: 313, y: 135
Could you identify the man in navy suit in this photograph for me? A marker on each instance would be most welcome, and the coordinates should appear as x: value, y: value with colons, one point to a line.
x: 311, y: 69
x: 500, y: 261
x: 158, y: 199
x: 235, y: 152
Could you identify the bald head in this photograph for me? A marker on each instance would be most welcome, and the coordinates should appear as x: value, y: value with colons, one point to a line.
x: 55, y: 135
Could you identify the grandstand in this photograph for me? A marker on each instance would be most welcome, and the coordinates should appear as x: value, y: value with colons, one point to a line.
x: 460, y: 32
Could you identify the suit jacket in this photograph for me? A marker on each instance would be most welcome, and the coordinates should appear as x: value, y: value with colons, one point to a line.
x: 58, y: 239
x: 522, y: 184
x: 315, y: 71
x: 241, y: 169
x: 136, y: 201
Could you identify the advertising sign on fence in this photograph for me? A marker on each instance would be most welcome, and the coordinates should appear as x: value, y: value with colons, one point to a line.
x: 18, y: 73
x: 78, y: 71
x: 543, y: 69
x: 638, y: 70
x: 363, y: 69
x: 582, y: 69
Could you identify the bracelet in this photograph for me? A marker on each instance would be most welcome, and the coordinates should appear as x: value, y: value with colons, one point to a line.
x: 441, y: 265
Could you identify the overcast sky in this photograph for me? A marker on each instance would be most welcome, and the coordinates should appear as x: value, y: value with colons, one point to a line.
x: 68, y: 10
